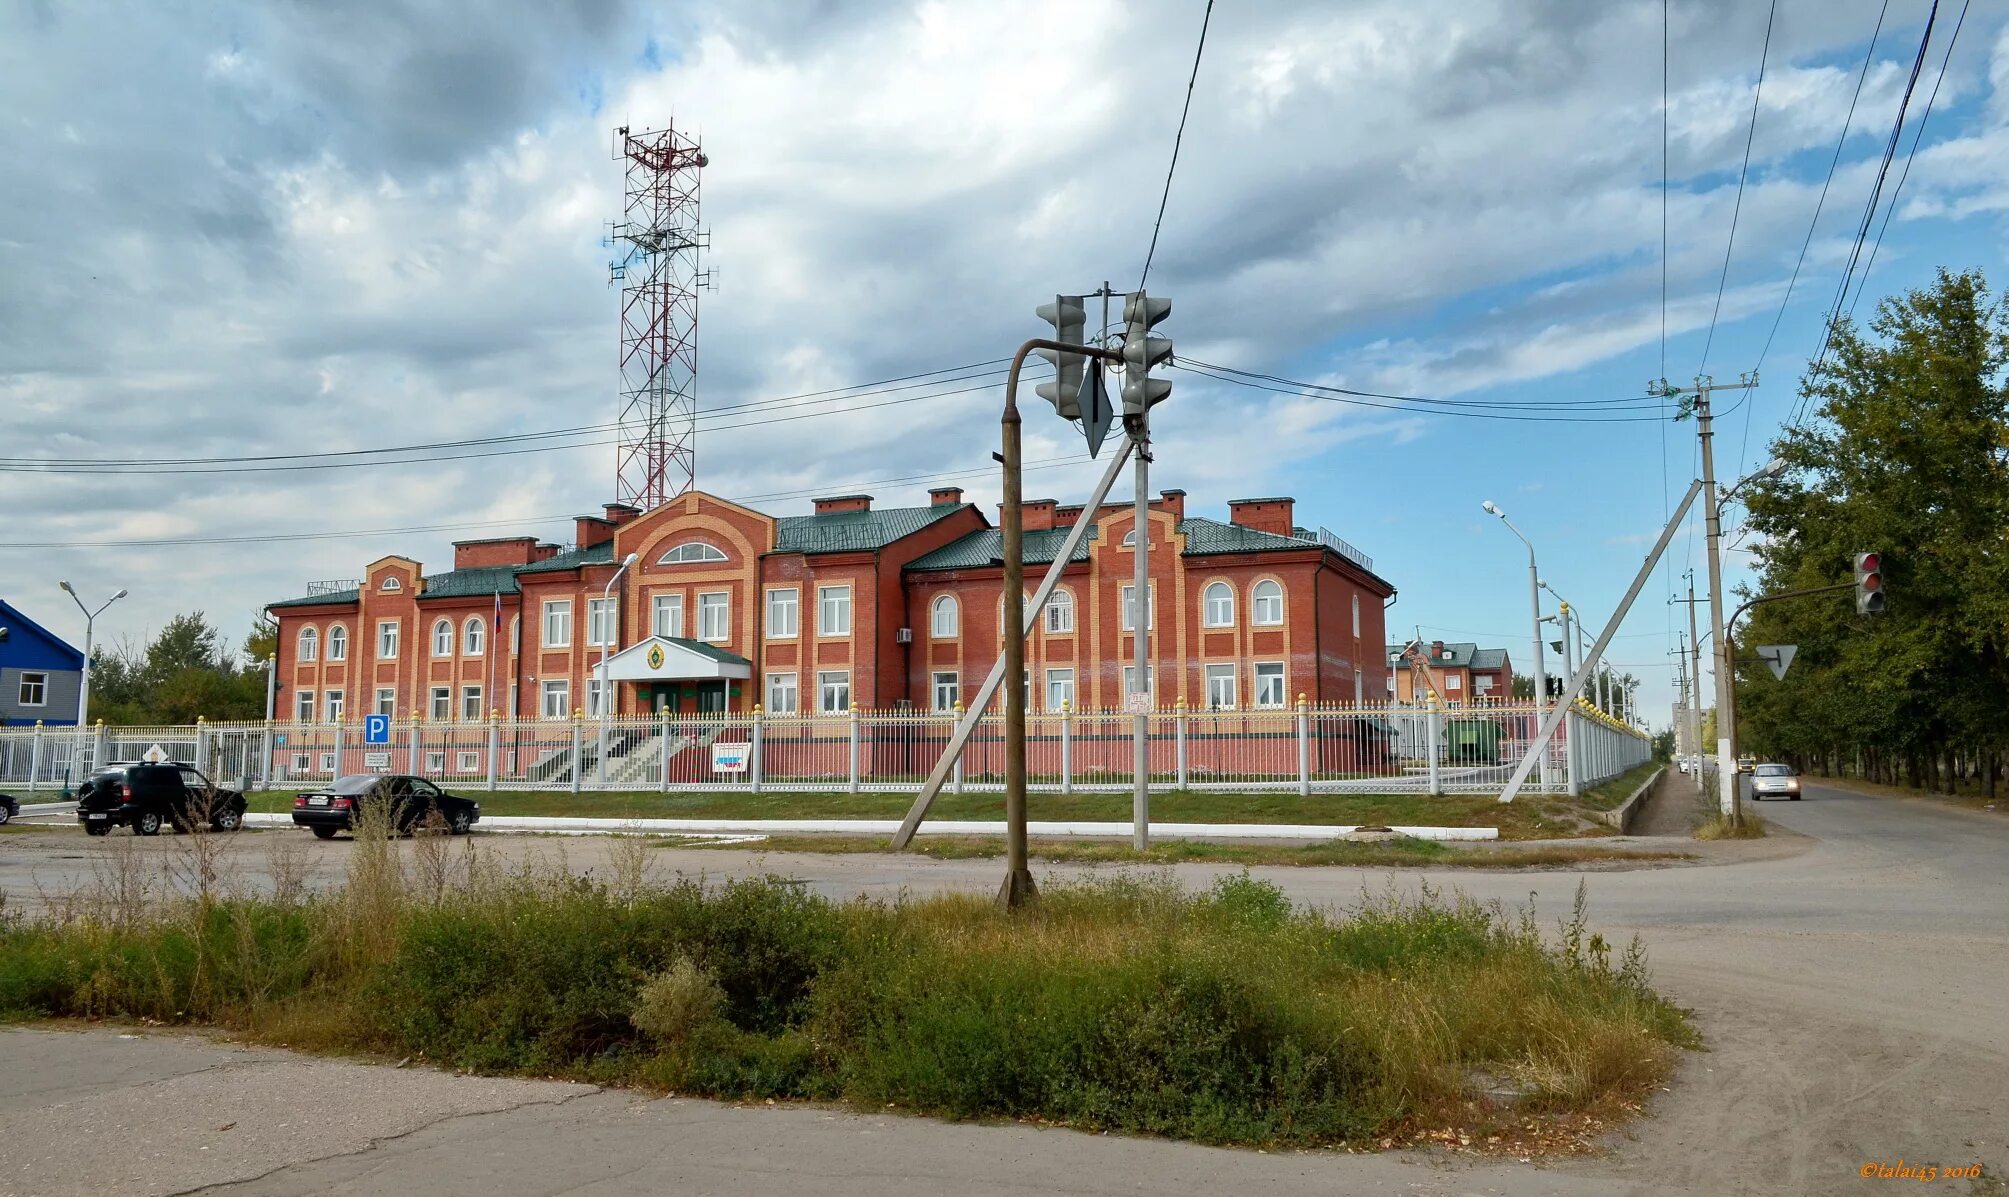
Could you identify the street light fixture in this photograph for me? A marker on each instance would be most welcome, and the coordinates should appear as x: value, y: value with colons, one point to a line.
x: 1535, y: 619
x: 606, y: 644
x: 84, y: 683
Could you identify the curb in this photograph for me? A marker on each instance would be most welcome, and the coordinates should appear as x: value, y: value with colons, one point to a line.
x: 886, y: 827
x: 1621, y: 817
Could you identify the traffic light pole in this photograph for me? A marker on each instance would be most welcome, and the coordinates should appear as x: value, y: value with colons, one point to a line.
x: 1140, y: 639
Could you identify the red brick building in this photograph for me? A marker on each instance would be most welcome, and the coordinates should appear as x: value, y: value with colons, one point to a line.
x: 725, y: 607
x: 1466, y: 672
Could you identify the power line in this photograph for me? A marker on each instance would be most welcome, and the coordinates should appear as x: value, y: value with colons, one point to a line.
x: 1313, y: 391
x: 1530, y: 404
x: 1743, y: 173
x: 1166, y: 195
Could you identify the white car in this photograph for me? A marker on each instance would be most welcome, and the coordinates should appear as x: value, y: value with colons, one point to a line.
x: 1774, y: 781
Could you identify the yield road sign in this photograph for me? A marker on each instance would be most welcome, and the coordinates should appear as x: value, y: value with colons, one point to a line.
x: 1777, y: 658
x: 376, y: 729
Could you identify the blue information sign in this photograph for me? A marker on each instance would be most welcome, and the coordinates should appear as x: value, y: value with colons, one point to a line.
x: 376, y: 729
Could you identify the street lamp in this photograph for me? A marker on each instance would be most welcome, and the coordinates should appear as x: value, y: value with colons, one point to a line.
x: 1535, y: 617
x: 1771, y: 469
x: 607, y: 643
x: 84, y: 683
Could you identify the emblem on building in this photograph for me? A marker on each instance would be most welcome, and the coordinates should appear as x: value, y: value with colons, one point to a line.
x: 656, y: 656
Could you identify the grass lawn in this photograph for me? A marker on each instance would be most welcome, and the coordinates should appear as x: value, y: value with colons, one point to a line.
x: 1390, y: 853
x: 1607, y: 795
x: 1531, y: 817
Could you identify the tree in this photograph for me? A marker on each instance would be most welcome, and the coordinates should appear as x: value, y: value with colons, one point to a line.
x: 183, y: 673
x: 1524, y: 686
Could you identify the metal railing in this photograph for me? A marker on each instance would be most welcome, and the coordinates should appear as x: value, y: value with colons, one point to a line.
x: 1388, y: 748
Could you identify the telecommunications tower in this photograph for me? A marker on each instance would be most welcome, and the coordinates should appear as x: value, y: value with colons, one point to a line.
x: 656, y: 248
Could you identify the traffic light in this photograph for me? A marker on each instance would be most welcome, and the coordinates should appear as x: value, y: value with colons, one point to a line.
x: 1141, y: 351
x: 1070, y: 325
x: 1869, y: 583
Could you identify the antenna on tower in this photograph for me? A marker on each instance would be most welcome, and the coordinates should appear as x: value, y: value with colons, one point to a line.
x: 656, y: 247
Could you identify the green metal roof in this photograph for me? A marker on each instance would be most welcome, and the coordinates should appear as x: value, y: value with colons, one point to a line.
x: 317, y: 600
x: 599, y: 554
x: 711, y: 651
x: 1205, y: 536
x: 1462, y: 654
x: 855, y: 531
x: 480, y: 580
x: 980, y: 549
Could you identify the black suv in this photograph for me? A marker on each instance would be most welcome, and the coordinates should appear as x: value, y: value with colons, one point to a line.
x: 147, y: 797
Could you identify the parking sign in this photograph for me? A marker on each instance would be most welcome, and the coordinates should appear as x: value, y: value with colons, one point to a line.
x: 376, y: 729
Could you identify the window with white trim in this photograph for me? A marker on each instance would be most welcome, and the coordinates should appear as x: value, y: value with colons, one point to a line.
x: 303, y: 706
x: 1130, y: 681
x: 1220, y: 687
x: 1356, y: 616
x: 474, y: 636
x: 391, y: 583
x: 466, y: 761
x: 470, y: 704
x: 942, y: 619
x: 600, y: 622
x: 714, y: 617
x: 310, y: 643
x: 440, y: 709
x: 666, y: 616
x: 1270, y: 690
x: 1266, y: 606
x: 784, y: 613
x: 34, y: 689
x: 1130, y: 539
x: 782, y: 698
x: 833, y: 610
x: 387, y: 640
x: 435, y: 763
x: 1217, y: 605
x: 1060, y: 613
x: 946, y: 691
x: 338, y: 642
x: 1059, y: 688
x: 1359, y: 688
x: 442, y: 638
x: 690, y: 553
x: 327, y: 762
x: 1453, y: 682
x: 302, y: 762
x: 596, y: 697
x: 833, y: 691
x: 557, y: 699
x: 333, y: 699
x: 558, y: 623
x: 387, y: 701
x: 1127, y: 596
x: 515, y: 635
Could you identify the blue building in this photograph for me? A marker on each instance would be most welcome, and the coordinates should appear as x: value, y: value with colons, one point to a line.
x: 40, y: 674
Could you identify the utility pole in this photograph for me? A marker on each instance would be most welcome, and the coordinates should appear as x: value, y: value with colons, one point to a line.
x: 1695, y: 683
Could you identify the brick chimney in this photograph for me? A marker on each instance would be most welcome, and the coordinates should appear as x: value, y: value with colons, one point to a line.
x: 1262, y: 515
x: 942, y: 496
x: 1173, y: 501
x: 589, y: 530
x: 1035, y: 515
x: 619, y: 513
x: 544, y: 552
x: 507, y: 550
x: 840, y: 503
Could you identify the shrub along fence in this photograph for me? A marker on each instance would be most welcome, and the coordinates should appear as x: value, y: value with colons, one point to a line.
x: 1308, y: 749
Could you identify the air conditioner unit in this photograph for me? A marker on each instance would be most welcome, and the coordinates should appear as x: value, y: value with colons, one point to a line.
x: 904, y: 636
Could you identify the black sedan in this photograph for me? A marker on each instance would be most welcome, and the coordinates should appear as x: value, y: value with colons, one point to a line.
x: 9, y: 807
x: 406, y: 803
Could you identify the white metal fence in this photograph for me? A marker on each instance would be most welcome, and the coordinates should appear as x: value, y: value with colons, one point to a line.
x: 1367, y: 749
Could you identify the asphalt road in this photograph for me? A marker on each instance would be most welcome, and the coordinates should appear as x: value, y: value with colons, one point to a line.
x: 1851, y: 974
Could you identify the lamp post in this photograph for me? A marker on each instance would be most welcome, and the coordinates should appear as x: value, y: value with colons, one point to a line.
x: 84, y: 683
x: 1535, y: 616
x: 606, y: 644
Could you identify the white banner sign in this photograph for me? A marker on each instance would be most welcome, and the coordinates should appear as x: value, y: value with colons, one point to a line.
x: 376, y: 760
x: 730, y: 758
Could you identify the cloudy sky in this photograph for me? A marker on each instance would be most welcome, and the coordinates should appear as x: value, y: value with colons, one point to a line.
x: 266, y: 229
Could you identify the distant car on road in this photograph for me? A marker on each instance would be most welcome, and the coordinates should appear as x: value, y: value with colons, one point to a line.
x: 9, y: 807
x: 149, y: 796
x: 1774, y: 781
x: 406, y: 802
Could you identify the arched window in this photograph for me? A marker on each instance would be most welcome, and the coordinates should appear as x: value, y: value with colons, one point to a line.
x: 472, y: 636
x: 942, y: 618
x: 1267, y: 605
x: 442, y: 638
x: 338, y: 642
x: 1130, y: 539
x: 515, y: 634
x: 310, y: 643
x: 1060, y: 613
x: 1217, y: 605
x: 689, y: 552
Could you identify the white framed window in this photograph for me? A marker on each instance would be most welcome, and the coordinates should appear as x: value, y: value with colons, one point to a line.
x: 387, y: 640
x: 1059, y: 688
x: 515, y: 635
x: 1220, y: 687
x: 714, y: 617
x: 600, y: 622
x: 466, y: 761
x: 833, y: 691
x: 442, y: 638
x: 440, y: 709
x: 310, y: 643
x: 1128, y: 596
x: 327, y: 762
x: 302, y: 762
x: 1482, y: 684
x: 1359, y: 688
x: 303, y: 706
x: 558, y: 623
x: 943, y: 617
x: 784, y: 613
x: 557, y: 699
x: 833, y: 610
x: 474, y: 636
x: 1130, y: 680
x: 1356, y: 616
x: 1130, y: 539
x: 595, y: 697
x: 945, y: 690
x: 666, y: 616
x: 782, y: 698
x: 1270, y: 684
x: 1266, y: 605
x: 690, y: 552
x: 390, y: 584
x: 1060, y: 613
x: 470, y: 703
x: 34, y: 689
x: 1391, y: 685
x: 1454, y: 682
x: 1217, y: 605
x: 333, y: 699
x: 338, y: 642
x: 435, y: 763
x: 387, y: 701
